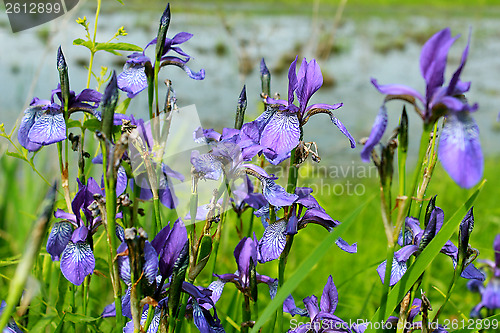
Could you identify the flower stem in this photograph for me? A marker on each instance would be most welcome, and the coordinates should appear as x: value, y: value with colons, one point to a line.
x: 451, y: 287
x: 246, y: 314
x: 110, y: 223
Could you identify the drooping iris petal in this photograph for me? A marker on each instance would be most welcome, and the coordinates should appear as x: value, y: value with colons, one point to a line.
x: 471, y: 272
x: 133, y: 79
x: 290, y: 307
x: 460, y: 149
x: 271, y: 283
x: 397, y: 272
x: 311, y: 303
x: 273, y: 241
x: 398, y: 264
x: 330, y: 297
x: 376, y: 134
x: 58, y: 239
x: 204, y: 321
x: 318, y: 216
x: 109, y: 311
x: 30, y: 115
x: 276, y: 195
x: 344, y: 246
x: 343, y: 129
x: 282, y: 133
x: 48, y: 128
x: 77, y: 261
x: 200, y: 75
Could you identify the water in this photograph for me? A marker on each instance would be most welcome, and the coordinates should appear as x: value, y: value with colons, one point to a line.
x: 229, y: 47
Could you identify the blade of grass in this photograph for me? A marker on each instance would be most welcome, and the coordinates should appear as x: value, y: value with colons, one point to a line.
x: 425, y: 258
x: 305, y: 268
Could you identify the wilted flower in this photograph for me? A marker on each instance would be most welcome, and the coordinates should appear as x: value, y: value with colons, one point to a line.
x: 459, y: 147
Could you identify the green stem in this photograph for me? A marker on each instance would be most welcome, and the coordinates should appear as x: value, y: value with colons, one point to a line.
x: 149, y: 319
x: 451, y: 287
x: 110, y: 191
x: 247, y: 314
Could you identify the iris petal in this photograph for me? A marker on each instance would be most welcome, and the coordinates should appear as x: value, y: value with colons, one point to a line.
x: 273, y: 241
x: 77, y: 261
x: 58, y: 239
x: 330, y: 297
x: 460, y: 149
x: 48, y: 128
x: 133, y: 79
x: 281, y: 134
x: 376, y: 134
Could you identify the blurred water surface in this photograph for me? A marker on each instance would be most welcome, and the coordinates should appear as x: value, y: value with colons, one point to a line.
x: 229, y: 42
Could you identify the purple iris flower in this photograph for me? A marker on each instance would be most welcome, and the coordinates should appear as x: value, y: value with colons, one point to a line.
x: 305, y: 209
x: 71, y: 239
x: 490, y: 295
x: 322, y: 317
x: 418, y: 239
x: 43, y: 122
x: 159, y: 258
x: 246, y: 255
x: 133, y: 79
x: 459, y: 146
x: 226, y: 158
x: 280, y: 126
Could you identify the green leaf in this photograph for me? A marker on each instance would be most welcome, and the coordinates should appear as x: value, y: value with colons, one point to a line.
x: 306, y: 267
x: 86, y: 43
x: 120, y: 1
x: 92, y: 124
x: 123, y: 106
x: 424, y: 259
x: 43, y: 323
x: 79, y: 318
x: 73, y: 123
x: 16, y: 155
x: 59, y: 327
x: 118, y: 47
